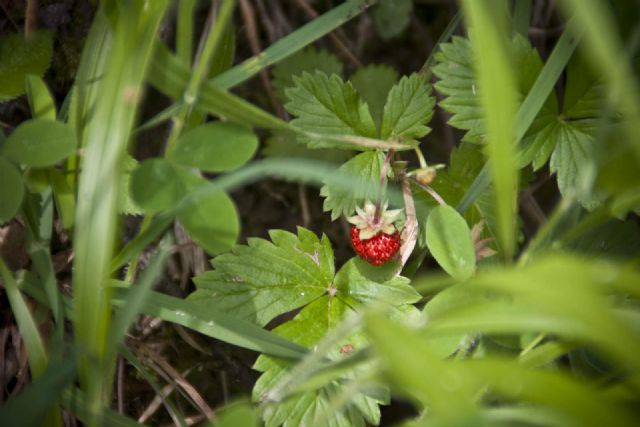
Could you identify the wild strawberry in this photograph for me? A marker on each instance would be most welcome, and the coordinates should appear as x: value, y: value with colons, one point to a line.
x: 373, y: 236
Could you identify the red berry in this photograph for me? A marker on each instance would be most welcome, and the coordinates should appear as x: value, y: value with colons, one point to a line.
x: 378, y: 249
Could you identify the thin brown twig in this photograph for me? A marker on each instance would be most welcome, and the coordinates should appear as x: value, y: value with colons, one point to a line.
x: 248, y: 16
x: 433, y: 193
x: 31, y: 18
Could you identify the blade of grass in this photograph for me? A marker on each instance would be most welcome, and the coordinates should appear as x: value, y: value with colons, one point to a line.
x: 530, y: 107
x: 108, y: 132
x: 521, y: 17
x: 292, y: 43
x: 214, y: 324
x: 498, y: 97
x: 444, y: 37
x: 184, y: 34
x: 36, y: 352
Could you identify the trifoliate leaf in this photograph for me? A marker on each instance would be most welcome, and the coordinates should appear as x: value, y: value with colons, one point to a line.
x: 392, y: 16
x: 408, y: 109
x: 262, y: 280
x: 328, y: 106
x: 308, y: 60
x: 457, y: 82
x: 365, y: 169
x: 21, y: 57
x: 373, y: 83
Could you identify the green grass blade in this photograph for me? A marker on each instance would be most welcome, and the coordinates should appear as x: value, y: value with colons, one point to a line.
x: 498, y: 97
x: 522, y: 17
x: 36, y: 351
x: 530, y: 107
x: 214, y: 324
x: 444, y: 37
x: 292, y: 43
x: 136, y: 297
x: 108, y: 132
x: 184, y: 32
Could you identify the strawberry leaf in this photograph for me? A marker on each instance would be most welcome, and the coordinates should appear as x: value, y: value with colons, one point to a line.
x: 408, y: 109
x: 307, y: 60
x: 328, y: 106
x: 265, y: 279
x: 392, y: 16
x: 457, y: 82
x: 373, y: 83
x: 365, y: 169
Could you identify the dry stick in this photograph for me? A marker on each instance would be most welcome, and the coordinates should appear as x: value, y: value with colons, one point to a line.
x: 311, y: 12
x: 158, y: 400
x: 173, y: 375
x: 120, y: 386
x: 248, y: 16
x: 431, y: 192
x: 31, y: 18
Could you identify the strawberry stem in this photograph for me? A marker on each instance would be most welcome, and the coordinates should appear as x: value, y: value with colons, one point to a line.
x: 383, y: 177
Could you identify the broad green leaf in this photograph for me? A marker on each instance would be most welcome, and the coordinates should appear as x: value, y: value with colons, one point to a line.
x: 236, y: 415
x: 263, y: 280
x: 40, y: 99
x: 408, y: 109
x: 21, y: 57
x: 40, y: 142
x: 365, y: 169
x: 392, y: 16
x: 373, y: 83
x: 328, y: 106
x: 11, y: 190
x: 449, y: 241
x: 156, y: 185
x: 615, y: 239
x: 64, y: 197
x: 215, y: 147
x: 213, y: 222
x: 308, y: 60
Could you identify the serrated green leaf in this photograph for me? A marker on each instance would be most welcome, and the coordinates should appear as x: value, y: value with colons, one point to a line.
x: 308, y: 60
x: 449, y: 240
x: 392, y: 16
x: 307, y: 328
x: 408, y: 109
x: 126, y: 204
x: 40, y: 142
x: 21, y: 57
x: 263, y: 280
x: 215, y: 147
x: 573, y: 161
x: 457, y: 81
x: 373, y: 83
x: 365, y: 169
x: 328, y: 106
x: 11, y: 190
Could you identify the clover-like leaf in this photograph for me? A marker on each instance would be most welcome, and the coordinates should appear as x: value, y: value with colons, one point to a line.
x: 408, y: 109
x: 327, y: 106
x: 21, y: 57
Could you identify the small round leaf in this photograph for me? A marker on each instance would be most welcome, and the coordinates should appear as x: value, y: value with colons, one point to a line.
x: 11, y: 190
x: 216, y: 147
x: 449, y: 240
x: 40, y: 143
x: 212, y: 222
x: 156, y: 185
